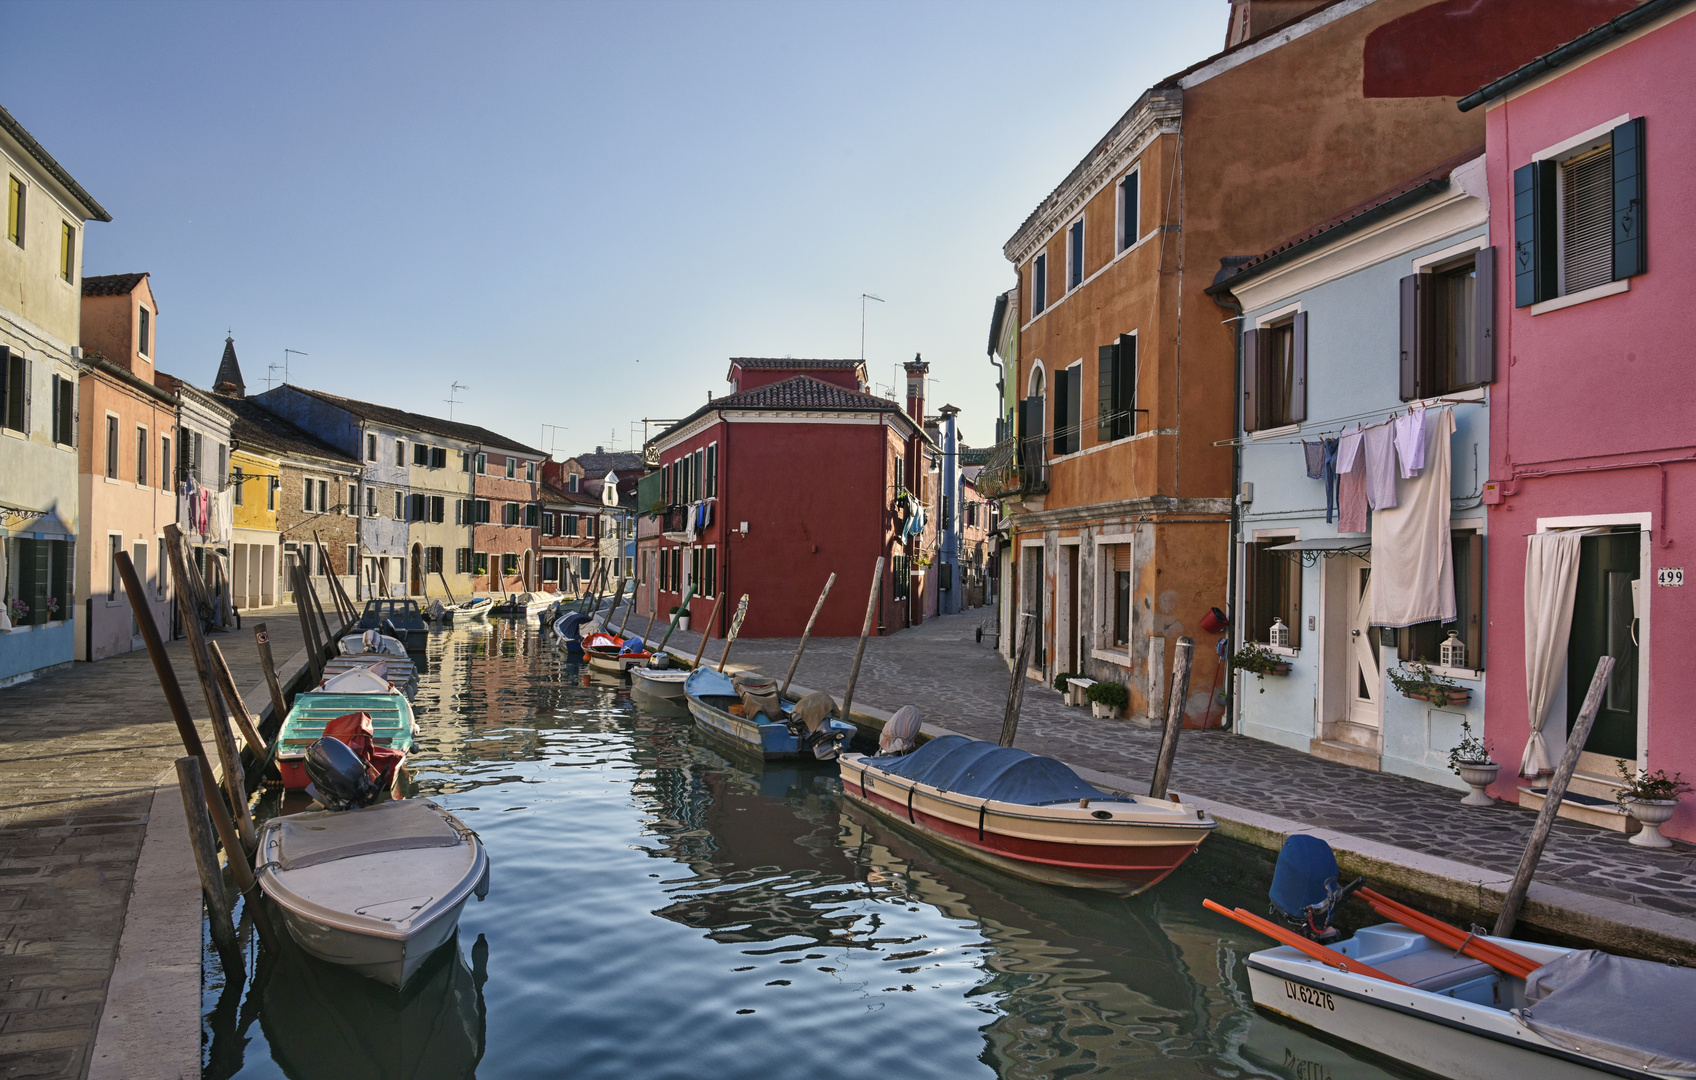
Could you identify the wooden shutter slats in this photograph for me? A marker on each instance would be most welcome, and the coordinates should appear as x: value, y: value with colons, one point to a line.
x: 1481, y: 365
x: 1251, y: 380
x: 1106, y: 398
x: 1075, y: 409
x: 1298, y: 369
x: 1630, y: 242
x: 1413, y: 291
x: 1121, y: 558
x: 1125, y: 385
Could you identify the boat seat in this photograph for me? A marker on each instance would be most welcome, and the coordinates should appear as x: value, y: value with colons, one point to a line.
x: 1433, y: 969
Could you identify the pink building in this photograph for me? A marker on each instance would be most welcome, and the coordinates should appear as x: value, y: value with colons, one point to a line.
x: 1592, y: 489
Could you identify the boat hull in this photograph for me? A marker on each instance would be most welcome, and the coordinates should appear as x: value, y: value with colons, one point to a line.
x: 667, y: 688
x: 389, y: 960
x: 771, y: 742
x: 1125, y: 857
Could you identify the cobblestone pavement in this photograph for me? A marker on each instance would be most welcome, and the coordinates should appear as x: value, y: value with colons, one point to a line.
x: 80, y: 753
x: 962, y: 685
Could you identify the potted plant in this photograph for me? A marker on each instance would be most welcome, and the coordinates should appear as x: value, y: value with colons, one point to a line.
x: 682, y: 619
x: 1470, y: 760
x: 1260, y: 661
x: 52, y: 607
x: 1651, y: 798
x: 1420, y: 682
x: 1108, y: 698
x: 19, y: 612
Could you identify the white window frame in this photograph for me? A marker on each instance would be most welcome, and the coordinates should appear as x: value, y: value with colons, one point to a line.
x: 1102, y: 604
x: 114, y: 446
x: 1260, y: 536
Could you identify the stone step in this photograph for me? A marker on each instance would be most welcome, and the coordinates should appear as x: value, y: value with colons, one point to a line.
x: 1344, y: 754
x: 1590, y: 809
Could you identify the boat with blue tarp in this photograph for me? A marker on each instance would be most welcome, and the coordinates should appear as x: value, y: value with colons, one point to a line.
x: 400, y: 619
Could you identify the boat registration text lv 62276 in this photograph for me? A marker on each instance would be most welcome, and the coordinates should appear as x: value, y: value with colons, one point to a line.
x: 1307, y: 995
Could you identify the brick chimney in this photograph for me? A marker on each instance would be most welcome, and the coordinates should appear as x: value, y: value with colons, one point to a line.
x: 916, y: 370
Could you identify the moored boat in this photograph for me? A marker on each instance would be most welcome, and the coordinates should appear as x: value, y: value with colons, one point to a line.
x: 721, y: 708
x: 664, y: 683
x: 447, y: 614
x: 376, y: 889
x: 525, y: 605
x: 390, y: 713
x: 615, y: 655
x: 1028, y: 815
x: 397, y: 618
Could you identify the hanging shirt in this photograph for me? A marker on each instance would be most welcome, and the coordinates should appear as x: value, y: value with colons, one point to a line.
x: 1410, y: 442
x: 1328, y: 449
x: 1352, y: 511
x: 1378, y: 446
x: 1413, y: 573
x: 1314, y: 453
x: 1348, y: 449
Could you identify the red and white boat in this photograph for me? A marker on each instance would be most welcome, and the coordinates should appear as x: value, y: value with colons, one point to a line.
x: 1028, y: 815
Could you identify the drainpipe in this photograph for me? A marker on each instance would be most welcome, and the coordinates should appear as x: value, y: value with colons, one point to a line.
x: 1232, y: 305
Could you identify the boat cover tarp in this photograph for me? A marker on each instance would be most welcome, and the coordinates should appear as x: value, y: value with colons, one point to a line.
x: 983, y: 770
x: 327, y: 835
x: 706, y: 682
x: 1630, y: 1012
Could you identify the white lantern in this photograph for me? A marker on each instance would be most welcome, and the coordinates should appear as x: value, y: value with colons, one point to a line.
x: 1279, y: 635
x: 1453, y: 651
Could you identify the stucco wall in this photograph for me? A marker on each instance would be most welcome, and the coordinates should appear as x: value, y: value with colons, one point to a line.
x: 31, y: 288
x: 496, y: 538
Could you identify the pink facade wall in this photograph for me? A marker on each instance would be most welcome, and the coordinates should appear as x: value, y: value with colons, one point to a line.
x: 1607, y: 383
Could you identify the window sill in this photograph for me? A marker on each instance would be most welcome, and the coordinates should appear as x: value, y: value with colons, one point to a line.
x: 1456, y: 673
x: 1276, y: 432
x: 1118, y: 659
x: 1612, y: 288
x: 1282, y: 650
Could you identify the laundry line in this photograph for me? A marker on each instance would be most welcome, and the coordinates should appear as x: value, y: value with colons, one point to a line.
x: 1333, y: 426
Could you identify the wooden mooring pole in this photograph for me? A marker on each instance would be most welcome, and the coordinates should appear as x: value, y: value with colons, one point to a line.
x: 1515, y: 899
x: 205, y: 845
x: 262, y: 639
x: 735, y: 628
x: 682, y: 606
x: 805, y: 634
x: 1182, y: 658
x: 705, y: 630
x: 303, y: 608
x: 865, y: 632
x: 245, y: 720
x: 1016, y: 685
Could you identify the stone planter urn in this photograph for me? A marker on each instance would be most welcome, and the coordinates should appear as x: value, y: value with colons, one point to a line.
x: 683, y: 622
x: 1103, y: 711
x: 1480, y: 775
x: 1652, y: 813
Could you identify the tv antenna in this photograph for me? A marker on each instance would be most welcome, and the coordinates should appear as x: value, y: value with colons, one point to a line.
x: 863, y: 298
x: 556, y: 429
x: 453, y: 397
x: 286, y: 352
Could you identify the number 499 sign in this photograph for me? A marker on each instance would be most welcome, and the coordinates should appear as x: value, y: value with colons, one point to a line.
x: 1669, y: 576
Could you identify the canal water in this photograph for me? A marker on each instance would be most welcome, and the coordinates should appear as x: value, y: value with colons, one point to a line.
x: 661, y: 907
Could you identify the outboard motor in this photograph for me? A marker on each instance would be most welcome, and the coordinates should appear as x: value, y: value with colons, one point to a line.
x: 1306, y: 890
x: 338, y: 776
x: 901, y: 734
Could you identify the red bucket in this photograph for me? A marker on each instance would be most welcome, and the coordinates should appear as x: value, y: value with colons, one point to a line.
x: 1215, y: 621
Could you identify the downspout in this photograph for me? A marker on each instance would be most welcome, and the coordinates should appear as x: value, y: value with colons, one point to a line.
x: 1230, y: 303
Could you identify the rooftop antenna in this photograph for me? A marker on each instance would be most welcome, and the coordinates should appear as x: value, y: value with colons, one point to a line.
x: 863, y: 298
x: 453, y: 397
x: 271, y: 375
x: 286, y: 352
x: 556, y: 429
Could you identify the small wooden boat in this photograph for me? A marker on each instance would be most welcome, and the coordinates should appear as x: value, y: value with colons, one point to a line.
x: 376, y: 890
x: 448, y: 614
x: 525, y: 605
x: 391, y: 722
x: 615, y: 655
x: 720, y: 710
x: 399, y: 619
x: 664, y: 683
x: 1030, y: 816
x: 380, y: 652
x: 1468, y: 1006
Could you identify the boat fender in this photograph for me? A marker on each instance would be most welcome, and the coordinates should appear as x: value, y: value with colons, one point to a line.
x: 482, y: 889
x: 983, y: 808
x: 910, y: 791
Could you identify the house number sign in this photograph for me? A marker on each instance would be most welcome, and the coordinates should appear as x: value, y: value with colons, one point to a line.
x: 1670, y: 576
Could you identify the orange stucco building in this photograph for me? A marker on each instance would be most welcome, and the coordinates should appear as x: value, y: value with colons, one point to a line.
x: 1119, y: 481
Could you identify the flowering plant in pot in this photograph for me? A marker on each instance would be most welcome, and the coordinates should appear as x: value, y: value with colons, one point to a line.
x: 1651, y: 798
x: 1107, y: 698
x: 1471, y: 760
x: 1417, y: 680
x: 19, y: 611
x: 1260, y: 661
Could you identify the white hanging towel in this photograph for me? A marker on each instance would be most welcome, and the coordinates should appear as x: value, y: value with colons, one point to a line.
x: 1551, y: 586
x: 1413, y: 572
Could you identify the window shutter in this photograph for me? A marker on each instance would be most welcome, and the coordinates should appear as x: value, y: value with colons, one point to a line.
x: 1121, y: 558
x: 1414, y: 288
x: 1129, y: 209
x: 53, y: 412
x: 1298, y: 372
x: 1251, y: 592
x: 29, y: 393
x: 1251, y: 379
x: 1075, y: 409
x: 1106, y: 400
x: 1471, y: 604
x: 1125, y: 382
x: 5, y: 385
x: 1631, y: 252
x: 1062, y: 409
x: 1525, y: 235
x: 1482, y: 362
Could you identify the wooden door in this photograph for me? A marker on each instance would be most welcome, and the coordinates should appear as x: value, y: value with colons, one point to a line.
x: 1366, y: 669
x: 1602, y: 625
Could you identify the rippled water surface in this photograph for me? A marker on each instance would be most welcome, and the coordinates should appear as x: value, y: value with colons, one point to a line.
x: 661, y: 907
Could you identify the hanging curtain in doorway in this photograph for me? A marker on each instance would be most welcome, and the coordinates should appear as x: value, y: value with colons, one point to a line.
x: 1551, y: 585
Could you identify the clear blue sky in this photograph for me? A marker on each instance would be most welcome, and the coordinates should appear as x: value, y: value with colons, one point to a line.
x: 578, y: 210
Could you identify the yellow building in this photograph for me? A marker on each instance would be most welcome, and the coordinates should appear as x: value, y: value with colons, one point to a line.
x: 255, y: 539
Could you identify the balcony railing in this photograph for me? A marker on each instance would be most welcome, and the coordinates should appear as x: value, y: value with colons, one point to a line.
x: 1015, y: 468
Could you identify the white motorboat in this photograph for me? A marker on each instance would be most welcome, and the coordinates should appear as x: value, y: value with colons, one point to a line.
x: 475, y: 608
x: 397, y: 670
x: 371, y: 643
x: 376, y: 890
x: 663, y: 683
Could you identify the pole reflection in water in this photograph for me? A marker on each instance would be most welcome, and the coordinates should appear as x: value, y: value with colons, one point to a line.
x: 663, y: 907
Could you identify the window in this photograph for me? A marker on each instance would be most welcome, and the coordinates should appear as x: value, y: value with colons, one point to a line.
x: 1115, y: 563
x: 465, y: 461
x: 161, y: 586
x: 1579, y: 217
x: 400, y: 506
x: 306, y: 490
x: 462, y: 511
x: 550, y: 569
x: 1039, y: 284
x: 589, y: 527
x: 509, y: 513
x: 664, y: 572
x: 574, y: 479
x: 900, y: 472
x: 111, y: 446
x: 370, y: 502
x: 511, y: 468
x: 352, y: 556
x: 271, y: 483
x: 482, y: 464
x: 1447, y: 327
x: 138, y: 559
x: 709, y: 573
x: 697, y: 473
x: 1130, y: 210
x: 530, y: 471
x: 569, y: 525
x: 532, y: 515
x: 480, y: 563
x: 462, y: 560
x: 400, y: 452
x: 352, y: 500
x: 1075, y: 255
x: 432, y: 560
x: 438, y: 457
x: 900, y: 570
x: 370, y: 448
x: 323, y: 495
x: 676, y: 570
x: 144, y: 332
x: 1423, y: 641
x: 39, y: 571
x: 509, y: 564
x: 164, y: 465
x: 584, y: 569
x: 140, y: 456
x: 1275, y: 374
x: 64, y: 411
x: 14, y: 390
x: 417, y: 508
x: 1068, y: 410
x: 237, y: 494
x: 15, y: 195
x: 480, y: 508
x: 114, y: 544
x: 1271, y: 590
x: 547, y: 524
x: 420, y: 454
x: 67, y: 252
x: 438, y: 509
x: 712, y: 471
x: 1116, y: 389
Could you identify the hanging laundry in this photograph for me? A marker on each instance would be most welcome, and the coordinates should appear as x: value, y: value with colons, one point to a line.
x: 1410, y: 442
x: 1314, y: 453
x: 1328, y: 450
x: 1351, y: 482
x: 1413, y: 573
x: 1378, y: 446
x: 1348, y: 449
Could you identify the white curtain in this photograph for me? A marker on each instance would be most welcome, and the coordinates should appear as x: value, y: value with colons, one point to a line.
x: 1551, y: 585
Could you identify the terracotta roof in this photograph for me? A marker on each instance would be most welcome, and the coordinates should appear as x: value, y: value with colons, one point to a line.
x: 766, y: 363
x: 600, y: 463
x: 554, y: 493
x: 255, y: 426
x: 111, y: 284
x: 1382, y: 204
x: 10, y: 126
x: 400, y: 418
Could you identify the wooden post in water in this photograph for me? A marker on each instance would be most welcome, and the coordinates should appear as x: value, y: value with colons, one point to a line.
x: 447, y: 588
x: 1515, y: 899
x: 245, y: 720
x: 735, y: 628
x: 314, y: 650
x: 682, y: 606
x: 221, y: 735
x: 702, y: 650
x: 262, y: 638
x: 1016, y: 686
x: 865, y: 632
x: 805, y: 634
x: 1182, y: 658
x: 344, y: 606
x: 205, y: 845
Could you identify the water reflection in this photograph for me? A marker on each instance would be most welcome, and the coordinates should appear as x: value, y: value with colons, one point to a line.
x: 662, y: 909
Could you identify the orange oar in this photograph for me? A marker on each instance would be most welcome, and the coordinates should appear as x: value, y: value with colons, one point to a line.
x: 1319, y: 952
x: 1489, y: 952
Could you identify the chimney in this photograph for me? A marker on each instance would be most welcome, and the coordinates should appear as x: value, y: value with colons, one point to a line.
x: 916, y: 370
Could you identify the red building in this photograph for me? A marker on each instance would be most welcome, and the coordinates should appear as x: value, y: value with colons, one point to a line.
x: 568, y: 537
x: 506, y: 491
x: 797, y: 474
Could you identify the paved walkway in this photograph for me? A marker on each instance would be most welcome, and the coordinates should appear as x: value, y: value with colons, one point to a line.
x: 962, y: 685
x: 80, y: 754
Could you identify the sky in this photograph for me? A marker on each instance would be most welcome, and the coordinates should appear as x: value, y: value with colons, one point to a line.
x: 577, y: 211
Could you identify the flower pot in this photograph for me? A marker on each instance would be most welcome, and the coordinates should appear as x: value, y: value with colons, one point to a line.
x: 1652, y: 813
x: 683, y: 623
x: 1479, y: 774
x: 1103, y: 711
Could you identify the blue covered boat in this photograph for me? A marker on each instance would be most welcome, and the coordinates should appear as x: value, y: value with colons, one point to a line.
x: 400, y: 619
